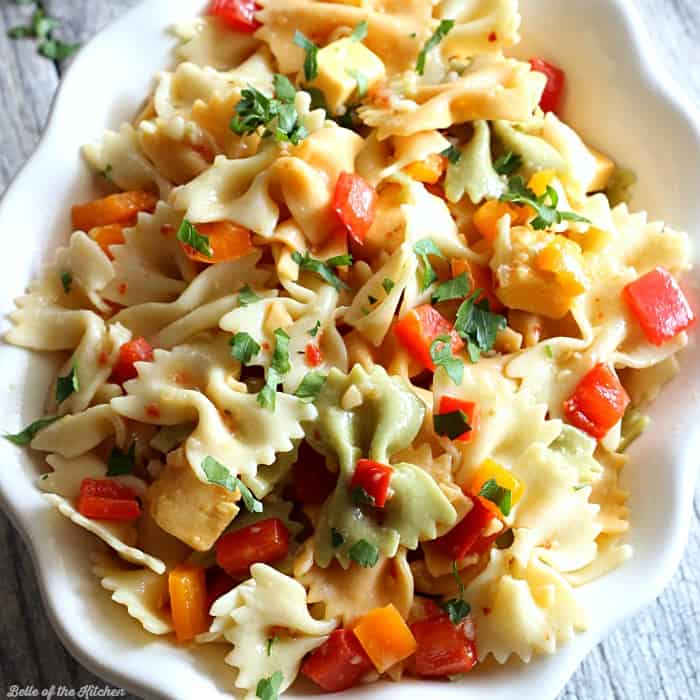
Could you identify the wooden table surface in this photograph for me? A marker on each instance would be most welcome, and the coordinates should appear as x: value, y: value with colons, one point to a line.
x: 654, y: 655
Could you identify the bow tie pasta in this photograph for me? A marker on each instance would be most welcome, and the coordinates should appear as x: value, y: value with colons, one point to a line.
x: 351, y: 346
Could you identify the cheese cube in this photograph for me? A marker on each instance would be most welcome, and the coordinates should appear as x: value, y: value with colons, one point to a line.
x: 338, y: 63
x: 604, y: 168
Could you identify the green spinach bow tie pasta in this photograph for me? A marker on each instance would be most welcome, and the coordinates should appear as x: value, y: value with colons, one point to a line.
x: 353, y: 343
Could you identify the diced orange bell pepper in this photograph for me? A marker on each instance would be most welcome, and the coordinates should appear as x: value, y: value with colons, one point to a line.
x: 419, y: 327
x: 563, y: 259
x: 107, y: 499
x: 189, y: 601
x: 385, y: 637
x: 480, y: 277
x: 540, y: 181
x: 120, y: 208
x: 227, y: 241
x: 487, y: 216
x: 106, y: 236
x: 429, y: 170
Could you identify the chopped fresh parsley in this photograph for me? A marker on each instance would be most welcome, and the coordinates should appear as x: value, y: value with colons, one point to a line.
x: 311, y: 60
x: 42, y: 27
x: 456, y: 608
x: 107, y: 173
x: 441, y: 355
x: 424, y: 248
x: 478, y: 325
x: 361, y: 80
x: 502, y: 497
x: 270, y: 642
x: 243, y: 347
x: 311, y: 386
x: 548, y: 351
x: 360, y: 31
x: 269, y: 688
x: 440, y: 33
x: 388, y: 285
x: 453, y: 154
x: 337, y: 539
x: 120, y: 463
x: 505, y: 539
x: 65, y: 386
x: 267, y: 397
x: 218, y: 474
x: 508, y: 163
x: 364, y: 553
x: 247, y: 296
x: 360, y: 497
x: 323, y: 269
x: 456, y: 288
x: 277, y: 114
x: 313, y: 332
x: 66, y: 281
x: 24, y: 437
x: 371, y: 299
x: 545, y: 206
x: 189, y: 235
x: 452, y: 424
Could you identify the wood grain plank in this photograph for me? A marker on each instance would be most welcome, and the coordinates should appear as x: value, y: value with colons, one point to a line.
x: 654, y: 655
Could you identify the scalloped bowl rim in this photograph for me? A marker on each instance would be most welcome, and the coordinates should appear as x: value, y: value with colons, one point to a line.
x: 32, y: 517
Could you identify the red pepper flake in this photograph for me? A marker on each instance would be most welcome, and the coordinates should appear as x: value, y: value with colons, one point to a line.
x: 487, y: 611
x: 314, y: 356
x: 493, y: 37
x: 266, y: 345
x: 167, y: 230
x: 152, y: 411
x: 122, y: 288
x: 103, y: 358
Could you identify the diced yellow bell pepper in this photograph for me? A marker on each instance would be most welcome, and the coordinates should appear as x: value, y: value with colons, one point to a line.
x: 487, y: 216
x: 429, y: 170
x: 562, y: 258
x: 540, y: 181
x: 594, y: 240
x: 490, y: 469
x: 338, y: 63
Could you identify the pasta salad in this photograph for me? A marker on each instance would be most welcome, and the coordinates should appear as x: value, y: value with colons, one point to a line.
x: 353, y: 343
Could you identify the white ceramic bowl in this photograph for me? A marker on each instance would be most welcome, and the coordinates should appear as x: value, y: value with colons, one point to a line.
x: 621, y: 102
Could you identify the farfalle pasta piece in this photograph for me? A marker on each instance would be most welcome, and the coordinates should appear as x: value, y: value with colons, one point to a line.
x: 395, y: 30
x: 62, y: 487
x: 119, y: 154
x: 74, y: 435
x: 151, y: 266
x: 480, y: 27
x: 347, y: 594
x: 522, y: 609
x: 142, y: 592
x: 207, y: 298
x: 490, y: 88
x: 208, y: 42
x: 268, y: 601
x: 190, y: 384
x: 509, y: 421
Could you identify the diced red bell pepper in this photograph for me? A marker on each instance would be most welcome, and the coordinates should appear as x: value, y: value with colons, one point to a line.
x: 355, y: 203
x: 553, y: 91
x: 312, y: 481
x: 466, y: 536
x: 106, y: 499
x: 450, y: 404
x: 659, y: 305
x: 265, y: 541
x: 137, y: 350
x: 443, y: 648
x: 598, y: 402
x: 419, y: 327
x: 218, y: 583
x: 339, y: 663
x: 237, y: 14
x: 314, y: 356
x: 374, y: 478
